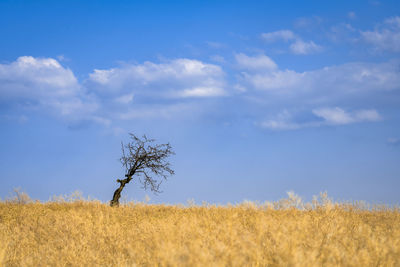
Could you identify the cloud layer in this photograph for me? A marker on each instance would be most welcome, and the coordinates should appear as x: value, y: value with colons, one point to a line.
x: 108, y: 94
x: 346, y: 78
x: 112, y: 93
x: 248, y: 84
x: 179, y: 78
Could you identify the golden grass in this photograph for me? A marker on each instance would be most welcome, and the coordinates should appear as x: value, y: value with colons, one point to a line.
x: 289, y: 233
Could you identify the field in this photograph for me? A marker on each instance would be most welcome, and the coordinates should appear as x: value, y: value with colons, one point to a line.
x: 79, y: 232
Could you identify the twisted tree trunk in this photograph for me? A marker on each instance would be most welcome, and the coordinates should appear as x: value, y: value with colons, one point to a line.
x: 117, y: 194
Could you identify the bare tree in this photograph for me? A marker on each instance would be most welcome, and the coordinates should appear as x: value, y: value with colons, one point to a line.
x: 145, y: 159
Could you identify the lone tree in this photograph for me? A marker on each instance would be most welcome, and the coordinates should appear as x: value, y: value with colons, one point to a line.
x: 145, y: 159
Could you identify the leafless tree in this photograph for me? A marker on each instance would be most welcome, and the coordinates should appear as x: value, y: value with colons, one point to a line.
x: 146, y: 160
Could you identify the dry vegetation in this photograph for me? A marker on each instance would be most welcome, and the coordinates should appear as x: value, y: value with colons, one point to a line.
x: 78, y: 232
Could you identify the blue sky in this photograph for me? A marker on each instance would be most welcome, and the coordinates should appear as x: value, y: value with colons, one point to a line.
x: 257, y: 98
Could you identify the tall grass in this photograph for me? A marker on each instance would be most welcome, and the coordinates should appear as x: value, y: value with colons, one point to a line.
x: 77, y: 232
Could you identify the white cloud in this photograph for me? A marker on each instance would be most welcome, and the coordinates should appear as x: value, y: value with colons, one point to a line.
x: 169, y: 89
x: 309, y: 90
x: 156, y: 90
x: 367, y: 115
x: 278, y: 81
x: 297, y: 46
x: 30, y: 77
x: 283, y: 121
x: 386, y: 37
x: 336, y: 80
x: 202, y: 92
x: 339, y: 116
x: 304, y: 48
x: 282, y: 35
x: 334, y: 115
x: 255, y: 62
x: 44, y: 83
x: 286, y: 120
x: 176, y: 78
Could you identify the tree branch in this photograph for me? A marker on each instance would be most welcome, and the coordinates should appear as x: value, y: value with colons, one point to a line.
x: 147, y: 161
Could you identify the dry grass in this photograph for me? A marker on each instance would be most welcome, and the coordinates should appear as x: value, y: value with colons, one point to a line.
x: 288, y: 232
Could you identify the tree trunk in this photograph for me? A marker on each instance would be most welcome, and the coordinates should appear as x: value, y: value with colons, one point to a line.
x: 117, y: 194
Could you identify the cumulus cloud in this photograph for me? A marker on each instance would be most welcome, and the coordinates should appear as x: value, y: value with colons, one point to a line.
x: 171, y: 88
x: 255, y: 62
x: 385, y: 37
x: 126, y: 92
x: 43, y: 82
x: 179, y: 78
x: 282, y: 35
x: 36, y: 77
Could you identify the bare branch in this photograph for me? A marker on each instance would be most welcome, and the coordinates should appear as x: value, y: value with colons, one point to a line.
x: 148, y: 161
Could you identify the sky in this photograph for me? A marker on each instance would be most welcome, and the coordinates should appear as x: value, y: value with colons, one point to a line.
x: 257, y: 98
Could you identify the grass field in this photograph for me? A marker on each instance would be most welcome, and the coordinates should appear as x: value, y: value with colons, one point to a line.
x: 289, y: 233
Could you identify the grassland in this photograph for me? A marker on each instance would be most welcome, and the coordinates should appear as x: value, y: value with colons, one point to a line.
x: 289, y: 233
